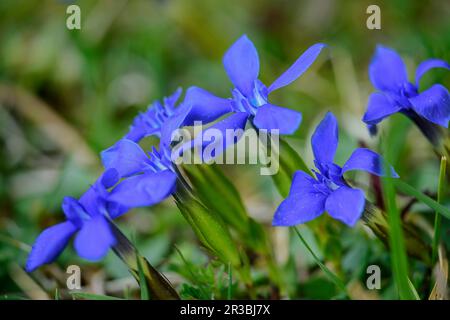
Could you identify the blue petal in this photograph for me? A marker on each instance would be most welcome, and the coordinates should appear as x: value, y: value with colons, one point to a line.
x: 91, y: 201
x: 379, y: 107
x: 94, y: 239
x: 387, y: 71
x: 302, y: 183
x: 242, y: 65
x: 367, y: 160
x: 272, y: 117
x: 427, y: 65
x: 173, y: 123
x: 74, y: 211
x: 115, y: 210
x: 141, y: 129
x: 109, y: 178
x: 298, y: 68
x: 205, y: 106
x: 346, y: 204
x: 215, y: 139
x: 50, y: 243
x: 126, y: 156
x: 433, y: 104
x: 171, y: 100
x: 303, y: 204
x: 145, y: 189
x: 325, y: 139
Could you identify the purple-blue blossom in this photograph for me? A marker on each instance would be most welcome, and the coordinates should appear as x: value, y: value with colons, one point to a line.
x: 131, y: 179
x: 86, y: 217
x: 396, y: 94
x: 152, y: 122
x: 147, y: 178
x: 250, y: 97
x: 328, y: 191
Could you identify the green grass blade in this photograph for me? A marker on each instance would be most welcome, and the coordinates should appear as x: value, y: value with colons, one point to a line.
x: 145, y: 292
x: 438, y: 217
x: 413, y: 290
x: 334, y: 278
x: 410, y: 190
x: 399, y: 259
x: 230, y: 283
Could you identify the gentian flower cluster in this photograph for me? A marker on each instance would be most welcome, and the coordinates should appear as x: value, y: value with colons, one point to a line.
x: 131, y: 179
x: 134, y: 178
x: 309, y: 197
x: 396, y: 94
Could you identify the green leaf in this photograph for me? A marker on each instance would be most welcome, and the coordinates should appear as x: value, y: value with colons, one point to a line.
x: 218, y: 193
x: 195, y: 278
x: 145, y: 295
x: 410, y: 190
x: 413, y: 290
x: 158, y: 286
x: 399, y: 260
x: 209, y: 227
x: 438, y: 217
x: 92, y: 296
x: 230, y: 283
x: 336, y: 280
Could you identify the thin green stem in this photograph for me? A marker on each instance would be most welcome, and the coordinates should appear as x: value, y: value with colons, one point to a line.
x: 438, y: 217
x: 407, y: 189
x: 333, y: 277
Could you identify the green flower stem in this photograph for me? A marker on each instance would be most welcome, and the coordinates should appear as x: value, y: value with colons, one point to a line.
x: 220, y: 195
x: 333, y: 277
x: 438, y: 217
x: 208, y: 227
x: 159, y: 287
x: 397, y: 246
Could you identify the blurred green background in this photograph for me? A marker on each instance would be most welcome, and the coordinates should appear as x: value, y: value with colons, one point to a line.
x: 65, y: 95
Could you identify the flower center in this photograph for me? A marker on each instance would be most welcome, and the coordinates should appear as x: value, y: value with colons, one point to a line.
x: 159, y: 160
x: 242, y: 103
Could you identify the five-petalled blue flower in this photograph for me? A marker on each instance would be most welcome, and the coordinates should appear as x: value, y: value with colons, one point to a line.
x: 388, y: 75
x: 309, y: 197
x: 249, y: 97
x: 88, y: 217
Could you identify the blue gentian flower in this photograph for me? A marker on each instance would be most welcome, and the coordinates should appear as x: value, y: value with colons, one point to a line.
x: 396, y: 94
x: 250, y: 97
x: 88, y: 217
x: 152, y: 122
x: 309, y: 197
x: 147, y: 179
x: 132, y: 179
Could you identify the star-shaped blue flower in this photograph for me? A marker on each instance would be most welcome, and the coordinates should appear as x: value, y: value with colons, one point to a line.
x: 250, y: 97
x: 131, y: 179
x: 154, y: 120
x: 88, y: 217
x: 147, y: 179
x: 396, y: 94
x: 309, y: 197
